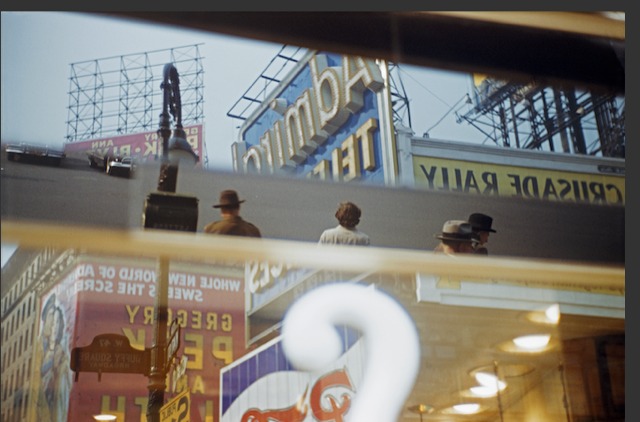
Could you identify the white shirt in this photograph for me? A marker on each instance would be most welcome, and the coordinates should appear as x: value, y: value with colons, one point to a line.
x: 340, y: 235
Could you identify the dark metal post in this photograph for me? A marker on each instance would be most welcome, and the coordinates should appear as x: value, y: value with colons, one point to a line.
x: 157, y: 374
x: 167, y: 181
x: 168, y: 178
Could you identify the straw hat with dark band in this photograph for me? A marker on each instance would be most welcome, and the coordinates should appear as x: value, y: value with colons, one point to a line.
x: 458, y: 230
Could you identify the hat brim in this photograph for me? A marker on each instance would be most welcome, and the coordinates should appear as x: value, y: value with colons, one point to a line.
x: 482, y: 229
x: 231, y: 204
x: 456, y: 239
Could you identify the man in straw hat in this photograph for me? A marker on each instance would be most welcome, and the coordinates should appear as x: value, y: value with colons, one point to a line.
x: 456, y: 237
x: 231, y: 222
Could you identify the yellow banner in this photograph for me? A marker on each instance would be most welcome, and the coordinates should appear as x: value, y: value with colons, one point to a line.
x: 446, y: 175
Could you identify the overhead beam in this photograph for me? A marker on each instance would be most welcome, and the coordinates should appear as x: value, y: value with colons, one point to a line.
x: 565, y: 49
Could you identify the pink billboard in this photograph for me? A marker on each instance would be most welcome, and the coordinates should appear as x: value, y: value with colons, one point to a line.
x: 145, y: 146
x: 114, y: 299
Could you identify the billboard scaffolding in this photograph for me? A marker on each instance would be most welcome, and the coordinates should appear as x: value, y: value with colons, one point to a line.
x: 121, y: 95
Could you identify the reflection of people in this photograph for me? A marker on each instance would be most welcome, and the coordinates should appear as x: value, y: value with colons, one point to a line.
x: 481, y: 225
x: 346, y: 233
x: 55, y: 377
x: 456, y: 237
x: 231, y: 222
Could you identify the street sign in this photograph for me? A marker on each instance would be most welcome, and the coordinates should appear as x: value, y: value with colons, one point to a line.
x: 179, y: 375
x: 174, y: 343
x: 110, y: 353
x: 178, y: 409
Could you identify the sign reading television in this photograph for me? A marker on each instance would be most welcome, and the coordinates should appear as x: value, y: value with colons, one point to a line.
x: 329, y: 119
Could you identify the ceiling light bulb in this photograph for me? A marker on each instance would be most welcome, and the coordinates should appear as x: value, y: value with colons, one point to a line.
x: 532, y: 342
x: 467, y: 408
x: 490, y: 381
x: 553, y: 313
x: 105, y: 417
x: 483, y: 391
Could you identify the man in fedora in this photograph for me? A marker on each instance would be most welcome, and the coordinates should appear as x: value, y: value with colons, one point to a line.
x: 456, y: 237
x: 481, y: 225
x: 231, y: 223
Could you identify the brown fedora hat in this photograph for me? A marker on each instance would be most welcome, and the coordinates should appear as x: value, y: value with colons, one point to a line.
x: 228, y: 198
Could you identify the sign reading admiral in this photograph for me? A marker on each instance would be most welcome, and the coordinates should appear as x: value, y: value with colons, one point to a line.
x: 329, y: 119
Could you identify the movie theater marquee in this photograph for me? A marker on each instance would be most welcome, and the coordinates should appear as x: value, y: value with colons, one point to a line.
x: 330, y: 119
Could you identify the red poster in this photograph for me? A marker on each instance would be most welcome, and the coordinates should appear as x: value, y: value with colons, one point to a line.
x: 145, y: 146
x: 113, y: 296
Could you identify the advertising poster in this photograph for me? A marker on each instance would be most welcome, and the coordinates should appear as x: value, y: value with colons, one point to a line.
x: 144, y: 146
x: 328, y: 119
x: 264, y: 386
x: 52, y: 378
x: 115, y: 298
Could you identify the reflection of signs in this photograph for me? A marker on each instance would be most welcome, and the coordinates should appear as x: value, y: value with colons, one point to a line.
x: 177, y: 410
x: 298, y: 412
x: 110, y: 353
x: 178, y: 376
x: 260, y: 275
x: 331, y: 381
x: 174, y: 342
x: 295, y: 413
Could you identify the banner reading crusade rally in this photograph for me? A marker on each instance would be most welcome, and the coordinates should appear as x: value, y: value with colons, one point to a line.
x: 116, y: 297
x: 474, y: 177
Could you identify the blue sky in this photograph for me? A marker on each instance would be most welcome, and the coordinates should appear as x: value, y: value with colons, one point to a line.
x: 39, y: 47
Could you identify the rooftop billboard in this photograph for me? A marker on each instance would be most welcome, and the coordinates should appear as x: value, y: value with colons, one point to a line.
x: 329, y: 119
x: 145, y: 146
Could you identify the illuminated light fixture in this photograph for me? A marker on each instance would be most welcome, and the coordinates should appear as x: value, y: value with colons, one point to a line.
x: 553, y: 313
x: 505, y: 370
x: 483, y: 391
x: 548, y: 315
x: 467, y: 408
x: 105, y: 417
x: 527, y: 344
x: 532, y: 342
x: 463, y: 409
x: 490, y: 381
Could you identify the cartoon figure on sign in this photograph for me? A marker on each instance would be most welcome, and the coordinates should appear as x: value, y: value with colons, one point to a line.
x: 295, y: 413
x: 330, y: 381
x: 55, y: 377
x: 298, y: 412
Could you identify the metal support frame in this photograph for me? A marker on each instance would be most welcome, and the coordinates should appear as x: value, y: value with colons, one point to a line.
x: 113, y: 96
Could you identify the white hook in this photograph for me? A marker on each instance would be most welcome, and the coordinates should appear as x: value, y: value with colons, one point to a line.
x: 311, y: 342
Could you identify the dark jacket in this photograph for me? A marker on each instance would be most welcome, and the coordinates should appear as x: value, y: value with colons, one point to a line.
x: 234, y: 226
